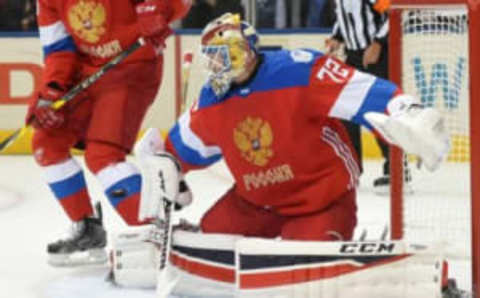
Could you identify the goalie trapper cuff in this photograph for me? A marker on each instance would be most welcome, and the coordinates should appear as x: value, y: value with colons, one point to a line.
x: 403, y: 103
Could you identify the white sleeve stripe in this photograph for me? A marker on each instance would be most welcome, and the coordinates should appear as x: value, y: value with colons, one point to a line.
x: 383, y: 30
x: 52, y: 33
x: 343, y: 151
x: 190, y: 139
x: 59, y: 172
x: 352, y: 96
x: 112, y: 174
x: 335, y: 28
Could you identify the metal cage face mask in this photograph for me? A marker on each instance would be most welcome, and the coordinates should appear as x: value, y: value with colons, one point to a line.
x: 224, y: 63
x: 226, y: 51
x: 216, y: 59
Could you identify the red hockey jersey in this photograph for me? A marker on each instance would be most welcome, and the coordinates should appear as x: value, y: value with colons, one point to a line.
x: 280, y: 134
x: 85, y: 34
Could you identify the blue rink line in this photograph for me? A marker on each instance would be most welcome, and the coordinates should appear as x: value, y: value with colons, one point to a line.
x: 24, y: 34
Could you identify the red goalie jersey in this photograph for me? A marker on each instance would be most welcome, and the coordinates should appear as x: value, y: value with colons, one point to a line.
x: 280, y: 133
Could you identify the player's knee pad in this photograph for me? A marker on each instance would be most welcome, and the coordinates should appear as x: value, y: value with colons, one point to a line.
x: 100, y: 155
x: 49, y: 150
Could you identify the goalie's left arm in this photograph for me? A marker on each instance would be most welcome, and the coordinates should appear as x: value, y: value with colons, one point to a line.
x: 340, y: 91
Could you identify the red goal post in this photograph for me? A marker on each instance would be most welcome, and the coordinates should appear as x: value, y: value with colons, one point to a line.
x: 402, y: 49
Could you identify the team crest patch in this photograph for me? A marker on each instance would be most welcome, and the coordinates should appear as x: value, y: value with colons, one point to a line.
x: 88, y: 20
x: 254, y: 138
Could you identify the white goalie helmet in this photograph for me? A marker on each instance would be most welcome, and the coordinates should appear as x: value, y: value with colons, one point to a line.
x: 229, y: 48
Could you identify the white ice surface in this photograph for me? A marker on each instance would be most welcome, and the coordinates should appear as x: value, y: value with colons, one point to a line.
x: 30, y: 218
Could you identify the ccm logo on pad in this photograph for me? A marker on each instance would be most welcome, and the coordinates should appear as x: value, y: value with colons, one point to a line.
x: 367, y: 248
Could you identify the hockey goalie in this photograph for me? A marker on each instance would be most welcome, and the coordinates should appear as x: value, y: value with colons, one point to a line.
x: 285, y: 227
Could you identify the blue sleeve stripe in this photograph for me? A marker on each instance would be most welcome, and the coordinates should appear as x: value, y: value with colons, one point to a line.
x: 376, y: 100
x: 65, y: 44
x: 69, y: 186
x: 131, y: 185
x: 188, y: 154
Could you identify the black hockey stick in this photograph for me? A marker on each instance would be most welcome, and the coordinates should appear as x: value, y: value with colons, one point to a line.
x: 167, y: 280
x: 77, y: 89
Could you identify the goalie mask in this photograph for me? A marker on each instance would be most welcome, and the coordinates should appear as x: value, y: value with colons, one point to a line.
x: 229, y: 49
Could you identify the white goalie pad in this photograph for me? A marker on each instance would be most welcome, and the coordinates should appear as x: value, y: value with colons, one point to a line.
x: 135, y: 255
x: 419, y: 131
x: 209, y: 265
x: 205, y: 263
x: 215, y: 264
x: 160, y: 175
x: 370, y: 269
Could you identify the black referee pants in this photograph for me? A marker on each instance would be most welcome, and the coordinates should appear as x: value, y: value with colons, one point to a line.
x: 380, y: 69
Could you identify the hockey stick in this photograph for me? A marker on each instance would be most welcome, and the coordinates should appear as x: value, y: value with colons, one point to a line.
x: 186, y: 69
x: 167, y: 279
x: 77, y: 89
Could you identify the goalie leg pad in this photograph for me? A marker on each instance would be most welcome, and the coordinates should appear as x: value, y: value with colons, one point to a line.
x: 256, y: 267
x: 135, y: 256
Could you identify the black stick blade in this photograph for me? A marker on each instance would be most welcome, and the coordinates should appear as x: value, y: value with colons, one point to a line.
x: 9, y: 140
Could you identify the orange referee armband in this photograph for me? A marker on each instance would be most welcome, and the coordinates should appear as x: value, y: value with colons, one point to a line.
x: 381, y: 6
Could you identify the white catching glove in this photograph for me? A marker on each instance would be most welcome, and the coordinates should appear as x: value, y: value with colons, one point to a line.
x: 417, y: 130
x: 161, y: 177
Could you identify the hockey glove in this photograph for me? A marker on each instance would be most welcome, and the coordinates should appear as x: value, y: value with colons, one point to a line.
x: 161, y: 177
x: 417, y: 130
x: 153, y: 17
x: 40, y: 112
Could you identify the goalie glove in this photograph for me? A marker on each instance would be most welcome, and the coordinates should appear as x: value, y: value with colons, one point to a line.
x: 417, y: 130
x: 161, y: 177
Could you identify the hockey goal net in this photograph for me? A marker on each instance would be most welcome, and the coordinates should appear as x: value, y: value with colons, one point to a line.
x: 433, y: 55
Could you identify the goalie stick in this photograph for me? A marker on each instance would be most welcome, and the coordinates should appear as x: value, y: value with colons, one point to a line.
x: 167, y: 279
x: 77, y: 89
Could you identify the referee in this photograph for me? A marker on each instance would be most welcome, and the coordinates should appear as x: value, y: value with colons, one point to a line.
x: 362, y: 26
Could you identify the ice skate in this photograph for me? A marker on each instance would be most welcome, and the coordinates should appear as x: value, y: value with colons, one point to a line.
x: 84, y: 246
x: 452, y: 291
x: 381, y: 185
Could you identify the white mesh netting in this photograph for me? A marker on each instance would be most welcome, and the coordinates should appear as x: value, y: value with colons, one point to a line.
x: 435, y: 68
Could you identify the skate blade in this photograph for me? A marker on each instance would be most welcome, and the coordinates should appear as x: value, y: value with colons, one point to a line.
x: 89, y: 257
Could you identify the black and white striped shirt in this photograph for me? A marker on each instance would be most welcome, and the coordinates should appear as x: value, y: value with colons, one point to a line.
x: 359, y: 24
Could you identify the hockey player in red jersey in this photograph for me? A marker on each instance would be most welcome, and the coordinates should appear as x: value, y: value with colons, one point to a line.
x: 274, y: 117
x: 79, y: 37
